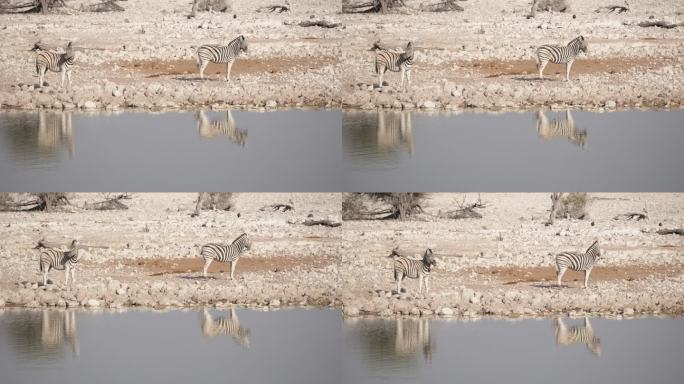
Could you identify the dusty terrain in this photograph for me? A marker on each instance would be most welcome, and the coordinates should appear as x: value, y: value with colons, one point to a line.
x: 501, y: 264
x: 482, y: 57
x: 148, y: 255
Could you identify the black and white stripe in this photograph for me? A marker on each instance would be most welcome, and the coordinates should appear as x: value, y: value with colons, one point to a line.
x: 395, y: 62
x: 564, y: 128
x: 229, y: 326
x: 225, y: 253
x: 560, y: 55
x: 55, y: 62
x: 58, y: 326
x: 414, y: 269
x: 220, y: 54
x: 210, y: 129
x: 578, y: 335
x: 578, y: 262
x: 51, y: 258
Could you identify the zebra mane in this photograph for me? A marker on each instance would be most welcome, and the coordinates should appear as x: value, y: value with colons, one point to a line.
x: 594, y: 246
x: 239, y: 238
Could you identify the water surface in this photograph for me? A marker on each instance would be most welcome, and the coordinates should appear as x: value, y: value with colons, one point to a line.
x: 317, y: 346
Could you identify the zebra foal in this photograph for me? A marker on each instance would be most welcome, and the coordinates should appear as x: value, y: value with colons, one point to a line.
x: 395, y: 62
x: 224, y: 253
x: 414, y: 269
x: 560, y: 55
x: 53, y: 61
x: 51, y: 258
x: 578, y: 262
x: 220, y: 55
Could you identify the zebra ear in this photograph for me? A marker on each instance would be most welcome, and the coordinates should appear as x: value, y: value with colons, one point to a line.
x: 581, y: 38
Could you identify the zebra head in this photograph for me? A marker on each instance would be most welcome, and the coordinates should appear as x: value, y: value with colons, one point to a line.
x: 594, y: 345
x: 40, y: 245
x: 582, y: 44
x: 246, y: 243
x: 408, y: 52
x: 243, y: 43
x: 74, y: 244
x: 429, y: 259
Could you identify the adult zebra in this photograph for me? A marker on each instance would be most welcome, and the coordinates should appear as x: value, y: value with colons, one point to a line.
x: 51, y: 258
x: 577, y: 335
x: 565, y: 128
x: 414, y: 269
x: 560, y: 55
x: 53, y: 61
x: 224, y: 253
x: 578, y: 262
x: 221, y: 55
x: 395, y: 62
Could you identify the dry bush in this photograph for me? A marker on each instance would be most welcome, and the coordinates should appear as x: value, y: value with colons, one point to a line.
x: 210, y: 6
x: 29, y: 6
x: 5, y: 201
x: 402, y: 205
x: 353, y: 207
x: 214, y: 200
x: 574, y: 205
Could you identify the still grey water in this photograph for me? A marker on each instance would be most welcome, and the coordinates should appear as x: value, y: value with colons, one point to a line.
x: 336, y: 151
x: 317, y: 346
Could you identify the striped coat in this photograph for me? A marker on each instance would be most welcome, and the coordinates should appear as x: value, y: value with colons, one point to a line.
x: 220, y: 54
x: 395, y: 62
x: 560, y: 55
x: 578, y: 335
x: 51, y: 258
x: 228, y: 326
x: 564, y: 128
x: 225, y: 253
x: 55, y: 62
x: 578, y: 262
x: 414, y: 269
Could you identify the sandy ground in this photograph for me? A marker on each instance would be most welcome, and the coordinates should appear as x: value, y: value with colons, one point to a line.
x: 503, y: 263
x: 482, y: 57
x: 500, y: 264
x: 149, y: 253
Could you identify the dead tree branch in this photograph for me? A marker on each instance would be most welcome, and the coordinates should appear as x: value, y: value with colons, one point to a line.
x: 631, y: 216
x: 278, y: 207
x: 660, y: 24
x: 677, y: 231
x: 105, y: 6
x: 613, y: 8
x: 315, y: 23
x: 274, y: 8
x: 325, y: 223
x: 444, y: 6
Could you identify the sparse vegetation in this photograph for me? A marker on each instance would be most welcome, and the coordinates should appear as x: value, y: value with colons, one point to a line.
x: 29, y: 6
x: 574, y: 205
x: 222, y: 201
x: 353, y: 207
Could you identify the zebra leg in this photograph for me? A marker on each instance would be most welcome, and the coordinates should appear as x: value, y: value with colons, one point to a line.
x: 202, y: 66
x: 403, y: 73
x: 61, y: 85
x: 233, y: 264
x: 560, y: 272
x: 586, y: 277
x: 73, y: 275
x: 542, y: 65
x: 207, y: 262
x: 41, y: 76
x: 67, y: 270
x: 568, y: 65
x: 69, y: 78
x: 45, y: 272
x: 427, y: 285
x: 398, y: 279
x: 380, y: 74
x: 229, y: 66
x: 408, y: 78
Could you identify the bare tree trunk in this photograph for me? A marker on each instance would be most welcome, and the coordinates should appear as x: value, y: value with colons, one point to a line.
x: 43, y: 6
x: 555, y: 202
x: 200, y: 199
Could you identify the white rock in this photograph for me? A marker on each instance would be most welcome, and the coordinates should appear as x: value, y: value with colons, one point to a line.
x: 93, y: 303
x: 628, y: 311
x: 121, y: 291
x: 446, y: 311
x: 274, y: 303
x: 2, y: 303
x: 89, y: 105
x: 351, y: 311
x: 428, y: 104
x: 271, y: 104
x: 611, y: 104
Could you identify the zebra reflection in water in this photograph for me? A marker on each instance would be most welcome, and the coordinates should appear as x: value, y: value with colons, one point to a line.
x: 58, y: 326
x: 55, y: 130
x: 395, y: 129
x: 211, y: 129
x: 578, y: 334
x: 229, y: 326
x: 560, y: 128
x: 413, y: 335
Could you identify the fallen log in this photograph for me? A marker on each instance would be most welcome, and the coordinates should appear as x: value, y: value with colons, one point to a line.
x: 273, y: 8
x: 630, y: 216
x: 324, y: 222
x: 279, y: 207
x: 444, y: 6
x: 660, y: 24
x: 613, y: 8
x: 315, y: 23
x: 677, y: 231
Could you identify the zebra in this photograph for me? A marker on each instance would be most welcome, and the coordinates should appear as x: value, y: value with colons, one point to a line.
x: 578, y: 335
x: 395, y: 62
x: 53, y: 61
x: 560, y: 55
x: 229, y: 326
x: 51, y: 258
x: 224, y: 253
x: 210, y: 129
x: 220, y: 54
x: 55, y: 129
x: 560, y: 128
x: 578, y: 262
x: 414, y: 269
